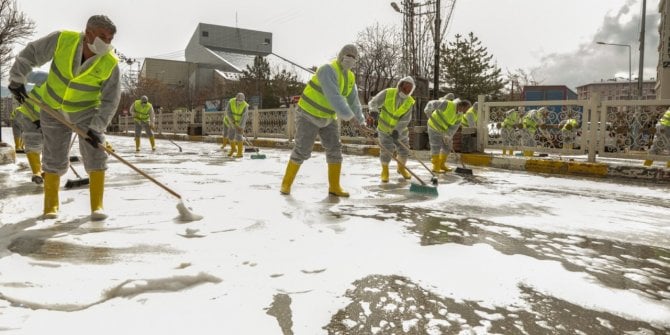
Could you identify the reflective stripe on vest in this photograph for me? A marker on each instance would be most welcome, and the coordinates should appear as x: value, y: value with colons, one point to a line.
x: 530, y: 121
x: 67, y: 92
x: 389, y: 116
x: 314, y: 102
x: 511, y: 120
x: 666, y: 119
x: 237, y: 109
x: 441, y: 120
x: 465, y: 121
x: 142, y: 111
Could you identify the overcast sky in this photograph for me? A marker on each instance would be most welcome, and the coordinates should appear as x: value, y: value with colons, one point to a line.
x: 553, y: 38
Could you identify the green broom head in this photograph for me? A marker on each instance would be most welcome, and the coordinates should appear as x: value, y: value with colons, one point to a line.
x: 423, y: 189
x: 258, y: 156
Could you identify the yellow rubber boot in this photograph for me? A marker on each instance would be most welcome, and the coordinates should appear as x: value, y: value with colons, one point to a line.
x: 18, y: 143
x: 401, y: 168
x: 51, y: 184
x: 137, y: 144
x: 152, y: 140
x: 443, y: 162
x: 504, y: 151
x: 97, y: 189
x: 35, y: 167
x: 435, y: 159
x: 528, y: 153
x: 289, y: 176
x: 385, y: 173
x: 648, y: 162
x: 224, y: 141
x: 667, y: 165
x: 240, y: 149
x: 334, y: 188
x: 511, y: 152
x: 233, y: 145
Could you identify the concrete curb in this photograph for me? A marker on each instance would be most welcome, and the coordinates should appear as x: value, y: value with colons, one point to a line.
x: 546, y: 165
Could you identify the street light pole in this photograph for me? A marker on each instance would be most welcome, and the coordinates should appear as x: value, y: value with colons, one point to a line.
x: 640, y: 74
x: 630, y: 69
x: 436, y: 65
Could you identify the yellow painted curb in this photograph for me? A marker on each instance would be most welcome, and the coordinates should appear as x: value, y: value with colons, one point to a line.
x: 589, y: 169
x: 546, y: 166
x: 475, y: 159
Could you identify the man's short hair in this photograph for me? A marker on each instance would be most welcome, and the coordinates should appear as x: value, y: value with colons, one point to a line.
x: 101, y: 21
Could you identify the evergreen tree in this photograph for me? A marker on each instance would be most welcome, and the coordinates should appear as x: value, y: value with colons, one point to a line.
x: 255, y: 78
x: 467, y: 68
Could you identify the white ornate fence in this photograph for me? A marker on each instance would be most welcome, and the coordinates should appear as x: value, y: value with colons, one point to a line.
x: 628, y: 129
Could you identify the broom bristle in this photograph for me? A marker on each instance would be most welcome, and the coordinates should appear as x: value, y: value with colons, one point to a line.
x: 423, y: 189
x: 258, y: 156
x: 76, y: 183
x: 463, y: 170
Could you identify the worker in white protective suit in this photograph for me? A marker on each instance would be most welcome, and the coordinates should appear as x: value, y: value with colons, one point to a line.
x: 144, y: 116
x: 28, y: 120
x: 237, y: 113
x: 534, y: 119
x: 330, y: 94
x: 444, y: 118
x: 83, y: 85
x: 395, y: 107
x: 661, y: 139
x: 16, y: 131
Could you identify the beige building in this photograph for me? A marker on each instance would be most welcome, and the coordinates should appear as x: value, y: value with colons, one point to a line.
x: 617, y: 90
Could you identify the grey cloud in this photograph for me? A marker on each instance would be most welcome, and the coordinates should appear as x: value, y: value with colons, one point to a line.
x: 592, y: 62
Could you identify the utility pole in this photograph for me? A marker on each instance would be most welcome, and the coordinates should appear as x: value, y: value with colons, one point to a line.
x: 436, y: 65
x: 640, y: 74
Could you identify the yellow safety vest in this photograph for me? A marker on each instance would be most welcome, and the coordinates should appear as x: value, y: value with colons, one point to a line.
x: 441, y: 120
x: 389, y: 116
x: 142, y: 110
x: 666, y: 119
x: 237, y: 109
x: 511, y: 120
x: 314, y: 102
x: 472, y: 112
x: 67, y: 92
x: 572, y: 123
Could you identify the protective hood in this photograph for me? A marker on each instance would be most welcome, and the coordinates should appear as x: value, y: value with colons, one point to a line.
x: 348, y: 49
x: 240, y: 97
x: 407, y: 79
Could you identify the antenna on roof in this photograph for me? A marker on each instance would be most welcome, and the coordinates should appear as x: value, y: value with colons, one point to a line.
x: 236, y: 26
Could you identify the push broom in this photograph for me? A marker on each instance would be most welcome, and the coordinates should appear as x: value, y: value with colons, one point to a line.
x: 79, y: 181
x: 433, y: 179
x: 256, y: 154
x: 459, y: 169
x: 421, y: 188
x: 184, y: 213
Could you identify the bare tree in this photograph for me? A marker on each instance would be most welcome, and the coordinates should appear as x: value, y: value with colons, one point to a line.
x: 14, y: 27
x: 515, y: 82
x: 379, y: 61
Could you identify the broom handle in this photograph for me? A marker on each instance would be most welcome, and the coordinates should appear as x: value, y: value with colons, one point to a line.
x: 397, y: 160
x: 244, y: 137
x: 81, y: 133
x: 416, y: 157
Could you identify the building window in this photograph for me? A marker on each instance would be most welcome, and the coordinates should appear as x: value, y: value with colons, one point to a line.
x: 205, y: 33
x: 267, y: 41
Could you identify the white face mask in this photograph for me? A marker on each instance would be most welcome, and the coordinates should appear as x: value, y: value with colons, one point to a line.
x: 99, y: 47
x: 348, y: 62
x: 402, y: 95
